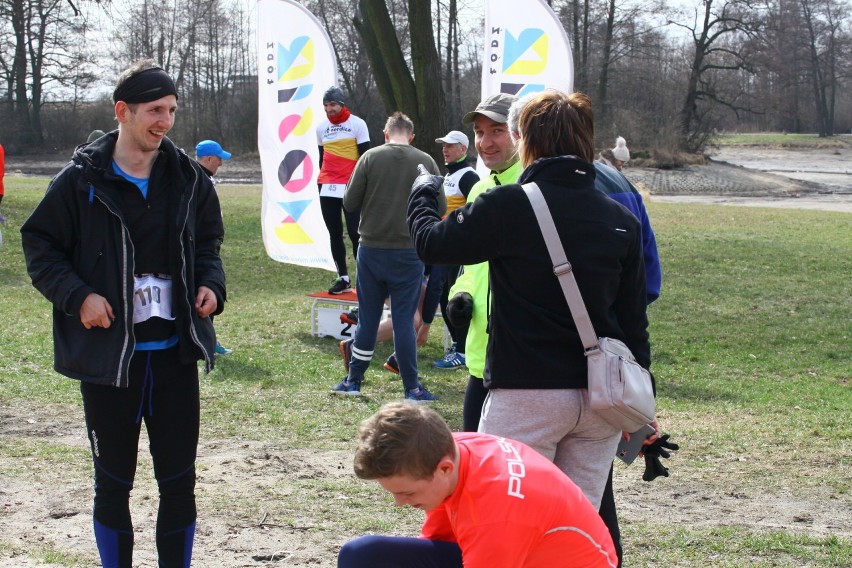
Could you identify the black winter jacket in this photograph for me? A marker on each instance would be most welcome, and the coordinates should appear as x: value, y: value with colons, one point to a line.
x: 77, y: 242
x: 533, y: 343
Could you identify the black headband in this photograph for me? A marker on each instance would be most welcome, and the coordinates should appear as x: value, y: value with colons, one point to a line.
x: 145, y: 86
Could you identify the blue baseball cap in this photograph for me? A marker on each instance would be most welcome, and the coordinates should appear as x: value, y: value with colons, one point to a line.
x: 211, y: 148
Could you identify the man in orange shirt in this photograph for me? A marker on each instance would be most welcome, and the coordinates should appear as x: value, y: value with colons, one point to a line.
x: 490, y: 502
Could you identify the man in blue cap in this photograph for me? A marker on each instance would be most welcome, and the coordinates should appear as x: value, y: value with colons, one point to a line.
x: 209, y: 154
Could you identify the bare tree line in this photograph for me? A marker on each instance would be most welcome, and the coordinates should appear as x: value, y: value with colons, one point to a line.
x: 664, y: 78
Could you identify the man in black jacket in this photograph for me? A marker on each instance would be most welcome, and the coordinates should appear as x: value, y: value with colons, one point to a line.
x: 125, y: 245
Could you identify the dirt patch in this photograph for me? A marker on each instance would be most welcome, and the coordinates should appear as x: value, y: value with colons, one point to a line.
x: 53, y: 508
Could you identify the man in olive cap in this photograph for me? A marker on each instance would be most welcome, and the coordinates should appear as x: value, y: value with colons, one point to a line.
x: 342, y: 138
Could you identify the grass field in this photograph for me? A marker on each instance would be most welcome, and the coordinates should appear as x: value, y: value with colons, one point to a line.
x: 752, y: 354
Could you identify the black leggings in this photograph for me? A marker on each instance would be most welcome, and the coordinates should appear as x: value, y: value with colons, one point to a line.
x: 331, y: 208
x: 164, y: 393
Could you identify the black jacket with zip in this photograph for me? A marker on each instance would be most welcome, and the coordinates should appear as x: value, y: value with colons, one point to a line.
x: 77, y: 242
x: 533, y: 342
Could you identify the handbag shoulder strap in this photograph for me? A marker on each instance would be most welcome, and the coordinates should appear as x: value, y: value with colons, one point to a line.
x: 561, y: 267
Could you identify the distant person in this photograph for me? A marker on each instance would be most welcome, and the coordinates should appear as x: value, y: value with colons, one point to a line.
x: 458, y: 182
x: 2, y: 189
x: 489, y: 501
x: 125, y: 245
x: 342, y: 138
x: 616, y: 157
x: 94, y: 135
x: 387, y: 262
x: 210, y: 156
x: 2, y: 171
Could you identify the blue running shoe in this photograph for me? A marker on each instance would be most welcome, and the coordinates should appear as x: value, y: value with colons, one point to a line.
x: 420, y: 394
x: 222, y: 350
x: 452, y: 360
x: 344, y: 387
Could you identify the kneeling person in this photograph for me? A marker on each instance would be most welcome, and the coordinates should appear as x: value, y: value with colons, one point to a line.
x: 489, y: 501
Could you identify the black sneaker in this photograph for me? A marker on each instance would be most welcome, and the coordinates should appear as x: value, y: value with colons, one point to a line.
x: 340, y: 286
x: 350, y: 317
x: 391, y: 364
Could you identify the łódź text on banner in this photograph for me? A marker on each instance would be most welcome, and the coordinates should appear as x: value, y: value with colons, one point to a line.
x: 526, y: 49
x: 296, y: 64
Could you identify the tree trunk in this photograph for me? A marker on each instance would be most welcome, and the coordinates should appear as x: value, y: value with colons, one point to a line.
x: 602, y: 105
x: 19, y: 73
x: 423, y: 100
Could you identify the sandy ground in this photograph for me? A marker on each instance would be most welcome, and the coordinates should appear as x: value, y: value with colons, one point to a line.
x: 54, y: 510
x: 757, y: 177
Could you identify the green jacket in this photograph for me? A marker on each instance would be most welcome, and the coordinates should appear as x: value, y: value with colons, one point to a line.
x: 474, y: 281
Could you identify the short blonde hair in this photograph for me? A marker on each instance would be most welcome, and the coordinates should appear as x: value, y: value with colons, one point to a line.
x: 399, y: 123
x: 555, y: 124
x: 402, y: 439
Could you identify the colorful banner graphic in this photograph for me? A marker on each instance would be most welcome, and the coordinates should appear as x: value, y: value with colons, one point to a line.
x: 296, y: 65
x: 526, y: 49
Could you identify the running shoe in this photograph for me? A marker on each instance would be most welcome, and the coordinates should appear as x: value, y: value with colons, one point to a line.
x: 350, y: 317
x: 420, y: 394
x: 452, y: 360
x: 222, y: 350
x: 391, y: 364
x: 346, y: 352
x: 340, y: 286
x: 346, y: 388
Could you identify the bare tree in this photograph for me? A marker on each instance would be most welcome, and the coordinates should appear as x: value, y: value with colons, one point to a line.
x: 822, y: 21
x: 45, y: 53
x: 419, y: 95
x: 717, y: 21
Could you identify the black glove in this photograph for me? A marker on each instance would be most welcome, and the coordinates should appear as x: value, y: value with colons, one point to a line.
x: 460, y: 309
x: 653, y: 452
x: 425, y: 180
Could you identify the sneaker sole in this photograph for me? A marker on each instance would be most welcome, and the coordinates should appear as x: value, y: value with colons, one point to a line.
x: 346, y: 393
x: 446, y: 368
x: 391, y: 369
x: 340, y: 291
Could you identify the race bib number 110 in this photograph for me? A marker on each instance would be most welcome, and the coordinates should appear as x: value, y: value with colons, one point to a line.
x: 152, y: 297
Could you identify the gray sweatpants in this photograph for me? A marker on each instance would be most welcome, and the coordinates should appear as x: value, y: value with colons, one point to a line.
x: 561, y: 426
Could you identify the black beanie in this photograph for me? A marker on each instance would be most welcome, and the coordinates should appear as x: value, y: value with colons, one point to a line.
x: 334, y: 95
